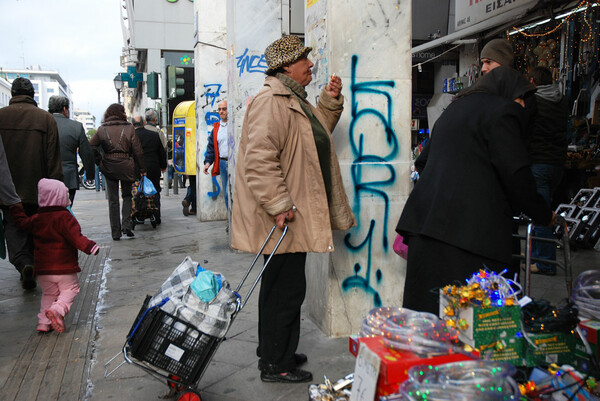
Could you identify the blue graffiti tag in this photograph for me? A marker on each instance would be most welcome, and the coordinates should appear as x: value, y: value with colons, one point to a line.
x: 246, y: 63
x: 367, y: 163
x: 217, y: 191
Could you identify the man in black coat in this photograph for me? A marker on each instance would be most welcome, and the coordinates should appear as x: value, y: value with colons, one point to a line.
x: 155, y: 157
x: 72, y: 139
x: 476, y: 176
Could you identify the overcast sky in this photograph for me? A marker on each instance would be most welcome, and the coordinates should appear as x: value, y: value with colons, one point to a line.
x: 81, y: 39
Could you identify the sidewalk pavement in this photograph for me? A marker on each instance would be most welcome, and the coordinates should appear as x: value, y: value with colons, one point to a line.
x: 136, y: 267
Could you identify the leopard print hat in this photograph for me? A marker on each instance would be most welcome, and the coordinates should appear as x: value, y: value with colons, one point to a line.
x: 285, y: 51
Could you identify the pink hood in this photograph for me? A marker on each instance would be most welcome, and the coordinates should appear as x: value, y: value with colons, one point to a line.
x: 52, y: 193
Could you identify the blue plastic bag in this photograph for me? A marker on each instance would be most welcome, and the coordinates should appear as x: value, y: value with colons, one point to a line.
x: 146, y: 187
x: 206, y: 285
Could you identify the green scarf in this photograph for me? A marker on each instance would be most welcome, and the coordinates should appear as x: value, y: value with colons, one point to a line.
x: 322, y: 141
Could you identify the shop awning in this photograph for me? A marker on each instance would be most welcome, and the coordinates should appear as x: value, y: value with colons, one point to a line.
x: 512, y: 17
x: 493, y: 22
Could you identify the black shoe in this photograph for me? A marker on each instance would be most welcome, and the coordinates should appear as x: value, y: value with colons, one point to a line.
x: 300, y: 359
x: 128, y: 232
x: 186, y: 207
x: 293, y: 376
x: 546, y: 272
x: 116, y: 238
x: 27, y: 280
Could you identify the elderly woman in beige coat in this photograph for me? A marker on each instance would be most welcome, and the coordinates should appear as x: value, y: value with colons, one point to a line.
x: 287, y: 171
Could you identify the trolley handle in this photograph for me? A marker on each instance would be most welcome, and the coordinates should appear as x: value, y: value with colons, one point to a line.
x: 245, y: 299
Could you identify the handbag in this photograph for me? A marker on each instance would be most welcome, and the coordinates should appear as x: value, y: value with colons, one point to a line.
x: 400, y: 247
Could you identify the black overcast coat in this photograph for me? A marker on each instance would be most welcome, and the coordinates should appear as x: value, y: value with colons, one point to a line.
x: 476, y: 174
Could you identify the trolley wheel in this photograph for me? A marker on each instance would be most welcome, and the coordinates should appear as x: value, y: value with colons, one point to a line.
x: 175, y: 387
x: 189, y: 396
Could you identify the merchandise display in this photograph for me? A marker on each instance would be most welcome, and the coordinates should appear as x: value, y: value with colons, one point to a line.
x: 586, y: 294
x: 405, y: 329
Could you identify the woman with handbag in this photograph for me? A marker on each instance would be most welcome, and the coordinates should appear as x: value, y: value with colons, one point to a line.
x: 115, y: 147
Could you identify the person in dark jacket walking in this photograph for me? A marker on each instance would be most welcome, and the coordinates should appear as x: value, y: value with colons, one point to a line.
x: 72, y: 140
x: 57, y: 236
x: 476, y: 176
x: 115, y: 147
x: 30, y: 138
x: 547, y: 148
x: 155, y: 158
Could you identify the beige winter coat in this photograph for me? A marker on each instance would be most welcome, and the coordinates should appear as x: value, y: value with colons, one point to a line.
x: 277, y: 166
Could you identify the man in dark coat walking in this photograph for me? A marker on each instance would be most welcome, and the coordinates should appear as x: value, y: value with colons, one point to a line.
x: 72, y: 139
x: 155, y: 157
x: 30, y: 138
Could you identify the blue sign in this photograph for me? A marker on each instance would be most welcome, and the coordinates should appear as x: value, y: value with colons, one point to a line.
x: 132, y: 77
x: 179, y: 121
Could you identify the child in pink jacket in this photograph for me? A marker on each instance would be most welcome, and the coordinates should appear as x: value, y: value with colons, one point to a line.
x: 57, y: 237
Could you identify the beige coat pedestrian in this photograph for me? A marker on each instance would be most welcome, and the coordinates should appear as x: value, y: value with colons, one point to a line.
x: 277, y: 167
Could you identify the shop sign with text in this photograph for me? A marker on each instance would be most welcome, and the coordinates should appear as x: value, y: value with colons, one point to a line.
x: 470, y: 12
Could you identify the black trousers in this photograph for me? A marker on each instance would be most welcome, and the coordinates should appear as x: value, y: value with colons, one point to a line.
x: 19, y: 243
x: 282, y: 291
x: 433, y: 264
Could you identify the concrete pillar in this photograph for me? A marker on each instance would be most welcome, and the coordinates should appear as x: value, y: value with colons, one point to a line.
x: 368, y: 45
x: 251, y: 26
x: 210, y: 55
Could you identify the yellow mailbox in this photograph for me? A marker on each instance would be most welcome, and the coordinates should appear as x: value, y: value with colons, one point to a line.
x: 184, y: 138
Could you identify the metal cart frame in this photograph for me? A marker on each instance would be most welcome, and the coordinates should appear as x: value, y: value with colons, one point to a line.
x: 187, y: 388
x: 561, y: 234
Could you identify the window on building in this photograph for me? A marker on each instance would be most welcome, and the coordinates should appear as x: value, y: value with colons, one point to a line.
x: 50, y: 90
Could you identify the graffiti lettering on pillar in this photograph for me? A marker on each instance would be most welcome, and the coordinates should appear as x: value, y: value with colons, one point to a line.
x: 216, y: 186
x: 211, y: 95
x: 371, y: 174
x: 251, y: 63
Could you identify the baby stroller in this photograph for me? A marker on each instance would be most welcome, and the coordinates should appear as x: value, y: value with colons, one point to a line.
x: 144, y: 205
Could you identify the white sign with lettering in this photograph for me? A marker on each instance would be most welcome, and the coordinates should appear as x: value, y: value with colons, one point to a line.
x: 366, y: 372
x: 470, y: 12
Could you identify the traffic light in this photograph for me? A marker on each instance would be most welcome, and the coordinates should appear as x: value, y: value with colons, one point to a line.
x: 175, y: 81
x: 152, y: 85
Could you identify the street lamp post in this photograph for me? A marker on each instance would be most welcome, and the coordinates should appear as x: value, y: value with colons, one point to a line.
x: 118, y: 86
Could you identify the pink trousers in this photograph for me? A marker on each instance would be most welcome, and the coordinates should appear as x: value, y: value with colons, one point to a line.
x: 58, y: 294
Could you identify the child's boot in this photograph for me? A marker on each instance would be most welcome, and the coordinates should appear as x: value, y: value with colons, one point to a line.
x: 57, y: 321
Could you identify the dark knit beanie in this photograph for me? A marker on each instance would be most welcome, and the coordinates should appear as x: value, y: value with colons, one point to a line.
x: 22, y: 86
x: 500, y: 51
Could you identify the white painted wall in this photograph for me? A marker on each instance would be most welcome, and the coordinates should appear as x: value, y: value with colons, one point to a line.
x: 368, y: 46
x: 211, y: 87
x: 251, y: 26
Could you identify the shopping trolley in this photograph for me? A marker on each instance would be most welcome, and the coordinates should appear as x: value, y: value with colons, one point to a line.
x: 174, y: 350
x: 561, y: 238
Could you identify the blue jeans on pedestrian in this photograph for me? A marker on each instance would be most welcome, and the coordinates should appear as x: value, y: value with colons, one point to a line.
x: 224, y: 178
x: 99, y: 179
x: 547, y: 177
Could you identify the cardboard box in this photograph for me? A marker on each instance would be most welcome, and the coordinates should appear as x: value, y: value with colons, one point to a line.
x: 582, y: 359
x: 486, y: 325
x: 513, y: 351
x: 395, y: 364
x: 591, y: 331
x: 551, y: 348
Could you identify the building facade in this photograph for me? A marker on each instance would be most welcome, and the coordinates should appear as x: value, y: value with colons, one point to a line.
x: 85, y: 118
x: 45, y: 84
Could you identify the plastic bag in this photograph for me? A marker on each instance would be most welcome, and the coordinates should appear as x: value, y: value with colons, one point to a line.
x: 146, y: 187
x: 206, y: 285
x: 400, y: 247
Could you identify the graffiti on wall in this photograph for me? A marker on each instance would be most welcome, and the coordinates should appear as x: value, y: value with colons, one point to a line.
x: 247, y: 63
x: 212, y: 95
x: 371, y: 175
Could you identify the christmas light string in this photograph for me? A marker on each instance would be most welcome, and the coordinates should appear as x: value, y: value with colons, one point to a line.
x: 408, y: 330
x: 467, y: 380
x: 586, y: 294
